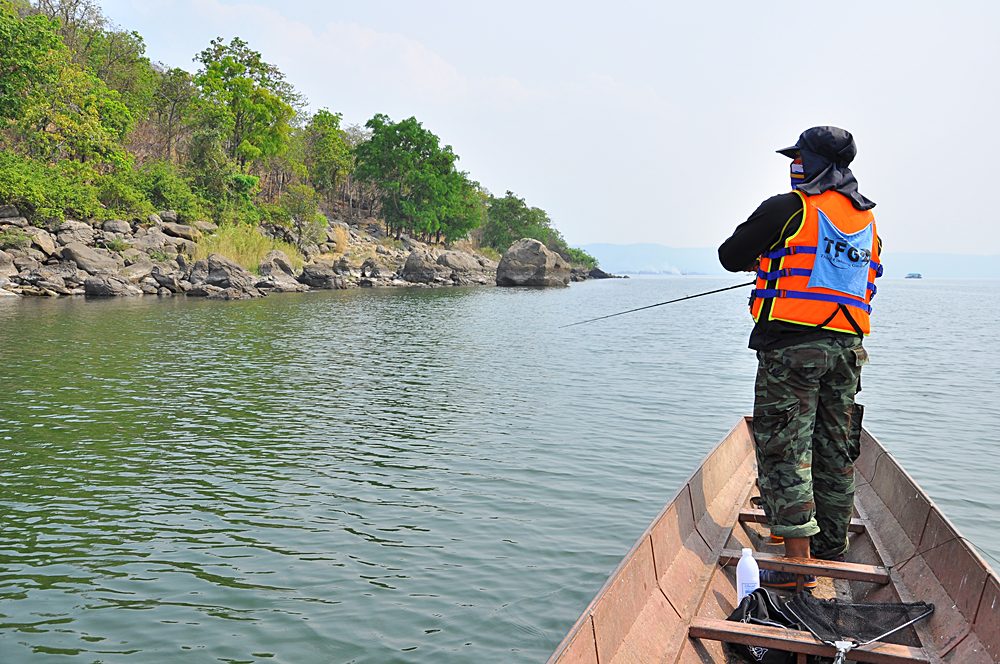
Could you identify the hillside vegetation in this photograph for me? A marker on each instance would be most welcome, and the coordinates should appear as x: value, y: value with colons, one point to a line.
x: 90, y: 128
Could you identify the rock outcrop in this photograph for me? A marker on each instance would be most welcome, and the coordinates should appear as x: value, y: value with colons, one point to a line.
x: 110, y: 285
x: 278, y: 274
x: 529, y: 263
x: 180, y: 230
x: 90, y: 260
x: 322, y: 275
x: 219, y: 277
x: 70, y: 232
x: 420, y: 267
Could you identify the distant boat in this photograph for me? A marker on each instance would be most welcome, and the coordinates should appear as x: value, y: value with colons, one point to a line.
x: 914, y: 275
x: 668, y: 599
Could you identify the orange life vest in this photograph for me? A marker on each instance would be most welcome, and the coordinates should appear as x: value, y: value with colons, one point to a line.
x: 782, y: 291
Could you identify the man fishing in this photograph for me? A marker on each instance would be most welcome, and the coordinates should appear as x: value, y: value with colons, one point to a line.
x: 816, y: 254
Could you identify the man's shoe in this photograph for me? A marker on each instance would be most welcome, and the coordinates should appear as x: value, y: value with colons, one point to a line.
x: 772, y: 578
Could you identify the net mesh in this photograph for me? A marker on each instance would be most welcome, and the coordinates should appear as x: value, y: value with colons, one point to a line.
x: 833, y: 620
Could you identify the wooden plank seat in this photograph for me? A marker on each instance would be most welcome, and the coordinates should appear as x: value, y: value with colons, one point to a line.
x: 815, y: 566
x: 800, y: 642
x: 757, y: 516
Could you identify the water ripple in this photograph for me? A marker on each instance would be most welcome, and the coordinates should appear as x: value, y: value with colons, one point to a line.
x: 420, y: 476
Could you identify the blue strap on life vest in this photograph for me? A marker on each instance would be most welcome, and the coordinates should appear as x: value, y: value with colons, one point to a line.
x: 790, y: 251
x: 798, y: 249
x: 818, y: 297
x: 799, y: 272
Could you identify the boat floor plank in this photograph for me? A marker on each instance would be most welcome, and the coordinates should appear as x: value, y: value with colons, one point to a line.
x: 800, y: 642
x: 835, y: 570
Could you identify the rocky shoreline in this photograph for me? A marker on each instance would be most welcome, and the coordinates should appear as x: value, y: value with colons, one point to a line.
x: 155, y: 257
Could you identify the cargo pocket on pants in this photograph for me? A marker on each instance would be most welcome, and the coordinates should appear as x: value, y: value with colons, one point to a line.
x: 854, y: 436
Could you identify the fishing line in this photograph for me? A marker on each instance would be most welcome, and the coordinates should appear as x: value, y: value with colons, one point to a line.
x: 660, y: 304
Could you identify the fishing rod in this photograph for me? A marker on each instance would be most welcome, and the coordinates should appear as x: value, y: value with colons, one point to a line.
x: 659, y: 304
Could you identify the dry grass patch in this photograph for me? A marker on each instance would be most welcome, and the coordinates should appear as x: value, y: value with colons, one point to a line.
x: 341, y: 239
x: 246, y: 246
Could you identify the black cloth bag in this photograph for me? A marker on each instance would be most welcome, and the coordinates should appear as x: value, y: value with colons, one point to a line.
x: 760, y: 608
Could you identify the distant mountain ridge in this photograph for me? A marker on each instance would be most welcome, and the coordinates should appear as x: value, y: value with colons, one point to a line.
x: 661, y: 259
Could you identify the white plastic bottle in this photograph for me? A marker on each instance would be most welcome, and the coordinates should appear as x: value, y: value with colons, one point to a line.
x: 747, y: 575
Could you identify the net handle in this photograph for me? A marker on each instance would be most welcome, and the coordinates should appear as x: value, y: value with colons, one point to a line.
x: 929, y: 611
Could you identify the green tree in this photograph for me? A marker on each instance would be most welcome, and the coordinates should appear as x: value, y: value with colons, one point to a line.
x: 32, y: 58
x: 327, y: 153
x: 420, y: 187
x: 246, y: 99
x: 509, y: 219
x: 465, y: 209
x: 58, y: 109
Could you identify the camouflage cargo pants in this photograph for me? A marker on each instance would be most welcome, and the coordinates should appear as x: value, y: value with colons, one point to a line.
x: 806, y: 444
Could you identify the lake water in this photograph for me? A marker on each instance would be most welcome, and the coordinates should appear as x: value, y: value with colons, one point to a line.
x: 425, y: 476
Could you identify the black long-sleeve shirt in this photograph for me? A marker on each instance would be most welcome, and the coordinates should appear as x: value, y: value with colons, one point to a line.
x: 775, y: 216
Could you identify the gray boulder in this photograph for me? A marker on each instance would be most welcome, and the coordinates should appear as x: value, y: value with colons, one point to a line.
x: 529, y: 263
x: 150, y: 239
x: 276, y: 261
x: 110, y: 285
x: 198, y: 273
x: 216, y: 293
x: 420, y: 267
x: 8, y: 211
x: 71, y: 231
x: 280, y: 282
x: 206, y: 227
x: 24, y: 262
x: 117, y: 226
x: 92, y: 261
x: 138, y: 270
x: 370, y: 269
x: 42, y: 239
x: 149, y: 286
x: 7, y: 268
x: 20, y: 222
x: 168, y: 279
x: 180, y: 230
x: 182, y: 246
x: 322, y: 275
x: 225, y: 273
x: 278, y: 274
x: 459, y: 261
x: 232, y: 281
x: 36, y: 254
x: 48, y: 279
x: 62, y: 274
x: 154, y: 220
x: 167, y: 215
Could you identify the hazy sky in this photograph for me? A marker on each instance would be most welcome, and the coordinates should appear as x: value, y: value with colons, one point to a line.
x: 657, y: 121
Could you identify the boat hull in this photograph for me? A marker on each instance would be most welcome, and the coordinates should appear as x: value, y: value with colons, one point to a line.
x: 677, y: 573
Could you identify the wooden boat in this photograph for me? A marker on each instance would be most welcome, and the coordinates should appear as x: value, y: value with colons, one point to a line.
x: 668, y: 599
